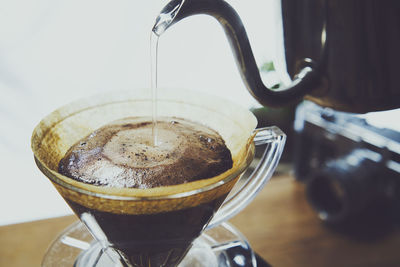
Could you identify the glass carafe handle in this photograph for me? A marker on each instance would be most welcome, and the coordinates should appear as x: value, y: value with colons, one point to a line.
x: 274, y: 139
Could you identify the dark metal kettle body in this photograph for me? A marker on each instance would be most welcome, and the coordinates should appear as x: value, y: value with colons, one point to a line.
x: 343, y: 54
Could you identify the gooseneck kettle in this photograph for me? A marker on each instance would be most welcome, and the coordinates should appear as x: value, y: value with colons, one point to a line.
x: 343, y: 54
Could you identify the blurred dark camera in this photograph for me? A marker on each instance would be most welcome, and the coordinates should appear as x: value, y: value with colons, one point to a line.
x: 347, y: 163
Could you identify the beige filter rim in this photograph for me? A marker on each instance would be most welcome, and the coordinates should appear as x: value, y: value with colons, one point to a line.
x: 57, y: 132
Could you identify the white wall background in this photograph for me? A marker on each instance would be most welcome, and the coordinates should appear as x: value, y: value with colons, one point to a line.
x: 55, y: 51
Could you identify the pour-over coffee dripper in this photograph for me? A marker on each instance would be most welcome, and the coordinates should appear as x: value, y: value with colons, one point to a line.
x: 156, y: 227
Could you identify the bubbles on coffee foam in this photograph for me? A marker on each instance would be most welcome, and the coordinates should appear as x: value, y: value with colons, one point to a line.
x: 134, y: 147
x: 122, y: 154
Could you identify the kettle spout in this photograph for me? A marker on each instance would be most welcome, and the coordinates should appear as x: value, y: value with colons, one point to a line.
x: 167, y: 16
x: 233, y: 27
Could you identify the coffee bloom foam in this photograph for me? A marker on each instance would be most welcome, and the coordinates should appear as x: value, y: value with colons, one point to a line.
x: 123, y: 154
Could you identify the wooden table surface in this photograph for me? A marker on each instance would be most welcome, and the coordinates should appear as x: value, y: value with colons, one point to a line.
x: 279, y: 224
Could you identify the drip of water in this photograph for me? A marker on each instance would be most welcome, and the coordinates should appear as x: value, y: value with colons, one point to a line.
x: 154, y: 66
x: 163, y: 21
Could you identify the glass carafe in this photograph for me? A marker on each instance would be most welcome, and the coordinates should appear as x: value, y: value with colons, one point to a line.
x: 157, y: 226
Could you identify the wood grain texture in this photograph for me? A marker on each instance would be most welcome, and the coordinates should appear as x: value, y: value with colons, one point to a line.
x: 284, y: 230
x: 25, y: 244
x: 279, y: 225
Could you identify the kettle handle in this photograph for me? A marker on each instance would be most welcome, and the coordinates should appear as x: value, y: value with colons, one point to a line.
x: 305, y: 81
